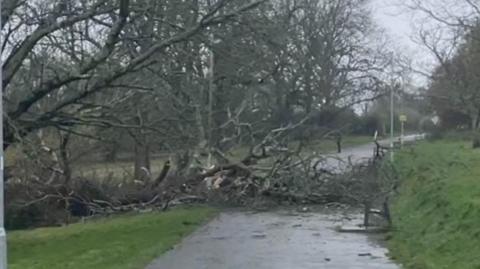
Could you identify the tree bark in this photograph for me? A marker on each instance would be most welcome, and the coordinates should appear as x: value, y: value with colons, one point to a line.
x: 474, y: 124
x: 111, y: 152
x: 366, y: 214
x: 65, y: 158
x: 163, y: 174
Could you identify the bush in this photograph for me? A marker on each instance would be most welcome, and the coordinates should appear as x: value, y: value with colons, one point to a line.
x: 27, y: 207
x: 476, y: 142
x: 462, y: 135
x: 22, y: 217
x: 436, y: 133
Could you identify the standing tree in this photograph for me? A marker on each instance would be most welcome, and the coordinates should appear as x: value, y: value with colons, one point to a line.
x: 453, y: 39
x: 61, y: 55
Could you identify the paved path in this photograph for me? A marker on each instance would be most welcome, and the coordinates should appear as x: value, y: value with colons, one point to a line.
x: 281, y: 240
x: 362, y: 153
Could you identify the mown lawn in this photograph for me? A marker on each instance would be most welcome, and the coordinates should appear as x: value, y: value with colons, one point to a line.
x: 437, y: 213
x: 124, y: 242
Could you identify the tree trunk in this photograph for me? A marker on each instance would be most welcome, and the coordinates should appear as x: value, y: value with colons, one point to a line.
x: 163, y: 174
x: 67, y: 171
x: 474, y: 124
x: 476, y: 141
x: 476, y: 136
x: 111, y: 152
x: 366, y: 214
x: 386, y: 211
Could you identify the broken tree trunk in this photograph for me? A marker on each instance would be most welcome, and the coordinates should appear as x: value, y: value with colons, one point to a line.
x: 163, y: 174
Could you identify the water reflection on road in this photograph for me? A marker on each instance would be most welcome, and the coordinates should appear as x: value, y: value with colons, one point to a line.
x: 339, y: 161
x: 283, y: 239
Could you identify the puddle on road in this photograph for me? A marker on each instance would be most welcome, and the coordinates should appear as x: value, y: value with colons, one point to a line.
x: 281, y: 240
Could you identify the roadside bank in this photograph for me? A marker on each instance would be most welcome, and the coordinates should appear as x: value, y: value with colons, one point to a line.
x: 437, y: 211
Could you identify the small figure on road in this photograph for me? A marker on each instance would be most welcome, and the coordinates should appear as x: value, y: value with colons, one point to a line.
x: 378, y: 151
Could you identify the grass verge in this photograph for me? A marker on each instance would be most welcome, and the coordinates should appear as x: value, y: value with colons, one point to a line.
x: 437, y: 213
x: 124, y: 242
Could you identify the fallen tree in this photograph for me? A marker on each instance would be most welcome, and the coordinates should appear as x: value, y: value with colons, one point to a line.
x: 275, y: 171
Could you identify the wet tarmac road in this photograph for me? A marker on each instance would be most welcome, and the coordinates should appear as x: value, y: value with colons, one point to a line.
x: 339, y: 161
x: 280, y: 240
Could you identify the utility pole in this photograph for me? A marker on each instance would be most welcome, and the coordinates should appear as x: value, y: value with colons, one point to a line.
x: 392, y: 122
x: 403, y: 120
x: 3, y: 235
x: 211, y: 89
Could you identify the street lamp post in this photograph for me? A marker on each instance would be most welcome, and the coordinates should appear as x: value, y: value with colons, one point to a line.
x: 3, y: 235
x: 392, y: 122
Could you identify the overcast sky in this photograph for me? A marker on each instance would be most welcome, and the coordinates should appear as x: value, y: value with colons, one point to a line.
x: 399, y: 25
x: 395, y: 20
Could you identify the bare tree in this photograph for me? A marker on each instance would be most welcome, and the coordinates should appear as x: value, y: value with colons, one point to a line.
x: 450, y: 32
x: 86, y: 38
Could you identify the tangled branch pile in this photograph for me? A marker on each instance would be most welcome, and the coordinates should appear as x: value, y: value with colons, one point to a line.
x: 274, y: 171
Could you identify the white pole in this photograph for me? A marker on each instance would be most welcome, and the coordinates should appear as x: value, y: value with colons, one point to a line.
x: 3, y: 235
x: 392, y: 121
x: 210, y: 107
x: 402, y: 134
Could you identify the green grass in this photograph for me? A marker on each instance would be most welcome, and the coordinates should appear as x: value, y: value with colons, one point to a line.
x: 124, y: 242
x: 437, y: 213
x: 124, y: 169
x: 329, y: 145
